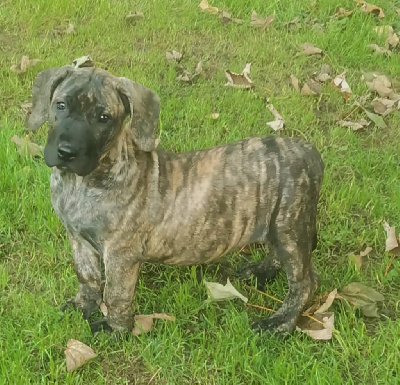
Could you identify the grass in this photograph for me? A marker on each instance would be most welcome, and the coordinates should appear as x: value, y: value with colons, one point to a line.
x: 208, y: 344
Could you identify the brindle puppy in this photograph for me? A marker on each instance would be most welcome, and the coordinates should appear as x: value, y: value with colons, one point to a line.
x: 124, y: 203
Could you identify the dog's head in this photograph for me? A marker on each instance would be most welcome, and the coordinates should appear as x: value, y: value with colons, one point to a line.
x: 86, y: 109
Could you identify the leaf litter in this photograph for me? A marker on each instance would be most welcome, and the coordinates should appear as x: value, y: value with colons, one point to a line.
x: 206, y: 7
x: 359, y: 258
x: 226, y: 17
x: 371, y: 9
x: 261, y: 23
x: 26, y: 147
x: 279, y: 122
x: 173, y: 56
x: 145, y: 322
x: 239, y: 80
x: 24, y: 64
x: 218, y: 292
x: 77, y: 354
x: 189, y: 77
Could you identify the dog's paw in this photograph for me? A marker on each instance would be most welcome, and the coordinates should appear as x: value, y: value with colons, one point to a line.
x: 87, y: 308
x: 277, y: 325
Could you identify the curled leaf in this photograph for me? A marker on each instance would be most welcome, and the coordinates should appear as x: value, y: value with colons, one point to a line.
x: 144, y: 322
x: 311, y: 87
x: 173, y: 56
x: 371, y: 9
x: 259, y: 22
x: 77, y: 354
x: 206, y: 7
x: 359, y: 258
x: 188, y: 77
x: 83, y: 61
x: 357, y: 125
x: 310, y: 49
x: 340, y: 83
x: 318, y: 327
x: 24, y: 64
x: 218, y: 292
x: 239, y: 80
x: 328, y: 302
x: 279, y: 122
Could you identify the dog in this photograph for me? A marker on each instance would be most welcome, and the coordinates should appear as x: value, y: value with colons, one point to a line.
x: 123, y: 203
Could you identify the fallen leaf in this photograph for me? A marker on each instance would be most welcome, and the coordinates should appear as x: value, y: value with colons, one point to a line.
x: 26, y: 147
x: 239, y: 80
x: 173, y: 56
x: 227, y: 17
x: 70, y: 30
x: 295, y: 83
x: 188, y: 77
x: 103, y: 309
x: 357, y: 125
x: 370, y: 8
x: 83, y: 61
x: 26, y: 107
x: 279, y: 122
x: 295, y: 23
x: 311, y: 87
x: 24, y: 64
x: 324, y: 74
x: 319, y: 328
x: 378, y: 120
x: 379, y: 50
x: 392, y: 39
x: 341, y: 12
x: 382, y: 85
x: 392, y: 245
x: 144, y: 322
x: 206, y: 7
x: 328, y: 302
x: 359, y: 258
x: 134, y: 16
x: 310, y: 49
x: 77, y: 354
x: 340, y: 83
x: 384, y: 106
x: 259, y: 22
x: 214, y: 115
x: 362, y: 297
x: 218, y: 292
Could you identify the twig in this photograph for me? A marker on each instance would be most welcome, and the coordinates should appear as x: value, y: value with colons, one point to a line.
x: 389, y: 264
x: 351, y: 112
x: 260, y: 307
x: 261, y: 292
x: 154, y: 375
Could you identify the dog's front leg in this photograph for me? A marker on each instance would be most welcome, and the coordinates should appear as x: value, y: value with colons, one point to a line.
x: 88, y: 269
x: 121, y: 270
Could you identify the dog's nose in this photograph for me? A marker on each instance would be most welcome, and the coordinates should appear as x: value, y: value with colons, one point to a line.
x: 66, y: 152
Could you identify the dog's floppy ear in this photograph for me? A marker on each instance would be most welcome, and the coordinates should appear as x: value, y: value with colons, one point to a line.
x: 144, y: 105
x: 42, y: 92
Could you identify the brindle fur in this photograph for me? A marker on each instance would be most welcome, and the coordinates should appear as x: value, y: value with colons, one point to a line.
x: 137, y: 204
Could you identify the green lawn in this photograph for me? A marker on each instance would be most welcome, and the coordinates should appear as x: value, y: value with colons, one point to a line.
x: 208, y: 344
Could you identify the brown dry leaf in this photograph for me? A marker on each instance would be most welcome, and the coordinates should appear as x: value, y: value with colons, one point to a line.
x: 188, y: 77
x: 383, y: 86
x: 227, y: 17
x: 279, y: 122
x: 340, y: 83
x: 341, y: 12
x: 103, y: 309
x: 384, y: 106
x: 26, y: 107
x: 214, y: 115
x: 83, y: 61
x: 173, y: 56
x: 379, y: 50
x: 70, y: 30
x: 362, y: 297
x: 25, y: 63
x: 357, y: 125
x: 311, y: 87
x: 392, y: 245
x: 310, y: 49
x: 325, y: 73
x: 206, y: 7
x: 26, y: 147
x: 218, y: 292
x: 328, y: 302
x: 295, y: 23
x: 359, y: 258
x: 392, y: 39
x: 134, y: 16
x: 321, y: 329
x: 259, y: 22
x: 77, y: 354
x: 295, y: 82
x: 239, y: 80
x: 370, y: 8
x: 144, y: 322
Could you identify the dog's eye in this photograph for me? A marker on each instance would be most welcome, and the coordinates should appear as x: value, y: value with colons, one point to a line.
x: 60, y: 106
x: 104, y: 118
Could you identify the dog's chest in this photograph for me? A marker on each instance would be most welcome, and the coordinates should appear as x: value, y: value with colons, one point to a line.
x: 79, y: 208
